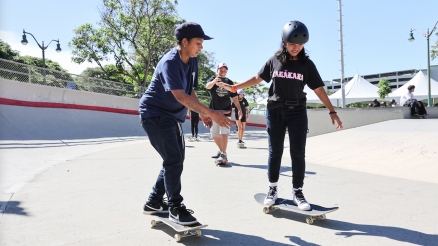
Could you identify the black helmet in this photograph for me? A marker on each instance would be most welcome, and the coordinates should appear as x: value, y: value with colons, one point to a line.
x: 295, y: 32
x: 375, y: 100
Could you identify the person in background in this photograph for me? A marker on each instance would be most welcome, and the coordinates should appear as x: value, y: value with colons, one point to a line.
x: 194, y: 122
x: 220, y: 99
x: 375, y: 103
x: 409, y: 100
x: 394, y: 103
x: 241, y: 123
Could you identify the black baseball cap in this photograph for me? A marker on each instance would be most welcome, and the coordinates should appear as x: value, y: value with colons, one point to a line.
x: 190, y: 30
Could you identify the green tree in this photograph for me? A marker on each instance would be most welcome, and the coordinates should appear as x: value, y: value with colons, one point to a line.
x: 110, y: 74
x: 434, y: 51
x: 6, y: 52
x: 256, y: 93
x: 133, y: 33
x: 38, y: 62
x: 206, y: 70
x: 384, y: 88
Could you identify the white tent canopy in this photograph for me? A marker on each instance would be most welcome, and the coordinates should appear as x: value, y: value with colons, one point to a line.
x: 357, y: 89
x: 421, y: 88
x: 312, y: 97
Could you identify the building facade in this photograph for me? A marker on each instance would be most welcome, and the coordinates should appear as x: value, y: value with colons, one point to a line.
x: 396, y: 79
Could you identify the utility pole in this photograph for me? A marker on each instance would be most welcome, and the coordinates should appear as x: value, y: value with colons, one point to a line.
x: 342, y: 54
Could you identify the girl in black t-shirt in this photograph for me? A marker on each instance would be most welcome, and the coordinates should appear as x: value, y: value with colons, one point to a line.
x: 290, y: 69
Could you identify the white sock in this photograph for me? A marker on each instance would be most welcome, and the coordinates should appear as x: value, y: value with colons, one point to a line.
x: 273, y: 184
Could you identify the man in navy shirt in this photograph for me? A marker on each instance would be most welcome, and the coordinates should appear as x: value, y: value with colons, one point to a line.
x: 163, y: 108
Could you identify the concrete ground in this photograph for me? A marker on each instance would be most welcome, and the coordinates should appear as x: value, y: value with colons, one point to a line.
x: 90, y: 191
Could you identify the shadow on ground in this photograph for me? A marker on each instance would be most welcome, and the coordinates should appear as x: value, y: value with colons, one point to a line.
x: 348, y: 229
x: 13, y: 207
x: 218, y: 237
x: 265, y: 167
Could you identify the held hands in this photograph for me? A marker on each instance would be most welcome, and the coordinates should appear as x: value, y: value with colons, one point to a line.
x: 223, y: 85
x: 240, y: 115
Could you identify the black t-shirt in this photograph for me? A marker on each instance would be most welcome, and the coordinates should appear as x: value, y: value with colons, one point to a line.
x: 220, y: 98
x: 243, y: 104
x: 288, y: 80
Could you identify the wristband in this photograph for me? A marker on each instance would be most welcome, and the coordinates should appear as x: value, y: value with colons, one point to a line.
x: 334, y: 112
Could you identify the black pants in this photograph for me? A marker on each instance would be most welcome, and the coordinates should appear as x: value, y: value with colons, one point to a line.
x: 415, y: 109
x: 295, y: 119
x: 194, y: 126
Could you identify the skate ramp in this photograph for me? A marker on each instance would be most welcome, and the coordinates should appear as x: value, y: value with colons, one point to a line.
x: 32, y: 123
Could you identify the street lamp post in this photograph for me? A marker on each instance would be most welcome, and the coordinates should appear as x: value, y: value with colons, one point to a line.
x: 427, y: 36
x: 42, y: 47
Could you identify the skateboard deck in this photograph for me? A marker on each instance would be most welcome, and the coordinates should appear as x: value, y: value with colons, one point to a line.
x: 316, y: 213
x: 185, y: 230
x: 418, y: 116
x: 221, y: 163
x: 241, y: 146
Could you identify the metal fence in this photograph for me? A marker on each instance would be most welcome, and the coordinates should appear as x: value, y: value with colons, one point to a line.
x: 48, y: 77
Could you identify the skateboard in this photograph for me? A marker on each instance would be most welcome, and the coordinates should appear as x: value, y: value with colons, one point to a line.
x: 193, y: 139
x: 316, y: 212
x: 221, y: 163
x: 185, y: 230
x: 241, y: 146
x: 418, y: 116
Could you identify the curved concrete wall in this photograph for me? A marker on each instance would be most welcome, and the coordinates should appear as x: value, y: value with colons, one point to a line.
x: 31, y: 95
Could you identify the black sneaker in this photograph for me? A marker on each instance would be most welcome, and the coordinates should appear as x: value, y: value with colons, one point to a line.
x: 182, y: 216
x: 160, y: 207
x: 217, y: 155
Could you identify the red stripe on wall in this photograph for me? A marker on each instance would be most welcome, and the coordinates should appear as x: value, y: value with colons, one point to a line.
x: 14, y: 102
x: 8, y: 101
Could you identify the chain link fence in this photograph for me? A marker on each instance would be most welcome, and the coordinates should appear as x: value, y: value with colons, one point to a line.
x: 43, y: 76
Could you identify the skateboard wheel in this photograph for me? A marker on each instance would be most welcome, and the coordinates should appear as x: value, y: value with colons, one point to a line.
x: 309, y: 221
x: 198, y: 233
x: 177, y: 237
x: 153, y: 223
x: 321, y: 217
x: 266, y: 210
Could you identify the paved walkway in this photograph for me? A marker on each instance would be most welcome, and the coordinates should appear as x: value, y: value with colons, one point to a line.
x: 91, y: 191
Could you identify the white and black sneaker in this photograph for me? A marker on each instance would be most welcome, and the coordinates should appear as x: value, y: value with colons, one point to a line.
x: 299, y: 200
x: 182, y: 216
x: 272, y: 196
x: 160, y: 207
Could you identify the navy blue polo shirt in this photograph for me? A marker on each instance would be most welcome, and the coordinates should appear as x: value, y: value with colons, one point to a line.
x: 170, y: 74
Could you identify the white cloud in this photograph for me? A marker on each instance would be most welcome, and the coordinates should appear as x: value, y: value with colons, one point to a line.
x: 32, y: 49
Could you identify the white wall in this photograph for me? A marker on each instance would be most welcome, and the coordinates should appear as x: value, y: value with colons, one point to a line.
x: 319, y: 120
x: 39, y: 93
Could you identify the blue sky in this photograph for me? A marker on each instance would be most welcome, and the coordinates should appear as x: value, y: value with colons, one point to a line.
x: 247, y: 33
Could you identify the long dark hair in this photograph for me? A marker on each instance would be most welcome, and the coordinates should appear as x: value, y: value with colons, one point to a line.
x: 282, y: 55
